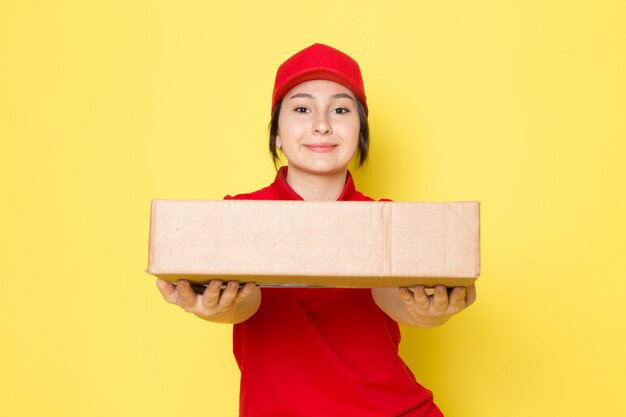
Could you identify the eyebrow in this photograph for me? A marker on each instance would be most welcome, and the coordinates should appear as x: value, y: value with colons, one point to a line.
x: 306, y: 95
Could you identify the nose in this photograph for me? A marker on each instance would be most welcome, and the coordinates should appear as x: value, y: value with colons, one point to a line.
x: 322, y: 125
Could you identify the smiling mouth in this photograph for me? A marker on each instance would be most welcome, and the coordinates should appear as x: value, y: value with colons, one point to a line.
x: 320, y: 147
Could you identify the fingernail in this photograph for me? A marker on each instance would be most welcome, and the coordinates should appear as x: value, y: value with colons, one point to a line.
x: 161, y: 284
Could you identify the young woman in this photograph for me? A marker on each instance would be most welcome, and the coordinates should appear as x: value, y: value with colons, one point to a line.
x: 321, y: 352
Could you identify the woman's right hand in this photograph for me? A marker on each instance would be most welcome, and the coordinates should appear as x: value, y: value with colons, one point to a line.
x: 230, y: 305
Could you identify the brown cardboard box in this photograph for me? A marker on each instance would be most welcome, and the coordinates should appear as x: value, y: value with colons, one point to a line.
x: 298, y: 243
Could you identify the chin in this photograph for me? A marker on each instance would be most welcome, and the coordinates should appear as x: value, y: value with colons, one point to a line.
x: 328, y: 170
x: 317, y: 168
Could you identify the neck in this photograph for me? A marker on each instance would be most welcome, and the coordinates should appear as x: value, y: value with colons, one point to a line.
x: 314, y: 187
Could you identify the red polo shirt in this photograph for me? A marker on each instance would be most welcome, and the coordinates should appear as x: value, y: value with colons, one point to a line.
x: 323, y: 352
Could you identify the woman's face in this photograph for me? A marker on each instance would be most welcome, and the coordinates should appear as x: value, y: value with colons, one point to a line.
x: 318, y: 127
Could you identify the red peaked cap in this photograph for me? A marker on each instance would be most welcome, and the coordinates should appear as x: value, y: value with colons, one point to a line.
x: 319, y: 62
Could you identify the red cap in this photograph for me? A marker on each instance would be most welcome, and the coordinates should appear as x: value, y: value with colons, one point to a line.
x: 319, y: 62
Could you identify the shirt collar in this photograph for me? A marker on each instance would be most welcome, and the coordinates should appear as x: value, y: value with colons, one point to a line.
x: 285, y: 192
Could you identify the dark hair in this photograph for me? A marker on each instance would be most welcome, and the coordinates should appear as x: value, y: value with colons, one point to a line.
x: 364, y: 134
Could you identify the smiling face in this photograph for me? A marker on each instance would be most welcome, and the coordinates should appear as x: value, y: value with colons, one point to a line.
x: 318, y: 128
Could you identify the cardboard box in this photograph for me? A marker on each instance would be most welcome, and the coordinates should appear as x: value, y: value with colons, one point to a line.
x: 304, y: 243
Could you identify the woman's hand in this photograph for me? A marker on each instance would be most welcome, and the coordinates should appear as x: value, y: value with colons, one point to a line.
x: 230, y: 305
x: 415, y: 307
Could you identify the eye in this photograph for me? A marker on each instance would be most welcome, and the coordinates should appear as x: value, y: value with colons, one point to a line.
x: 301, y: 109
x: 341, y: 110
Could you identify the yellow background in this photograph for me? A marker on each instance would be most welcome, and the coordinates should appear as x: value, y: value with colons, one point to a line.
x: 106, y: 105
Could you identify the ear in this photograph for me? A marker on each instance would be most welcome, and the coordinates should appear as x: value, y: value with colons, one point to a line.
x: 279, y: 143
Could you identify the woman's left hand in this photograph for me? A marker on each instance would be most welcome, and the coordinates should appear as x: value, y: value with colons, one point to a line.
x: 415, y: 307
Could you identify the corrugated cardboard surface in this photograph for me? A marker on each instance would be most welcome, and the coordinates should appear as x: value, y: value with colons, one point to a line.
x: 354, y: 244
